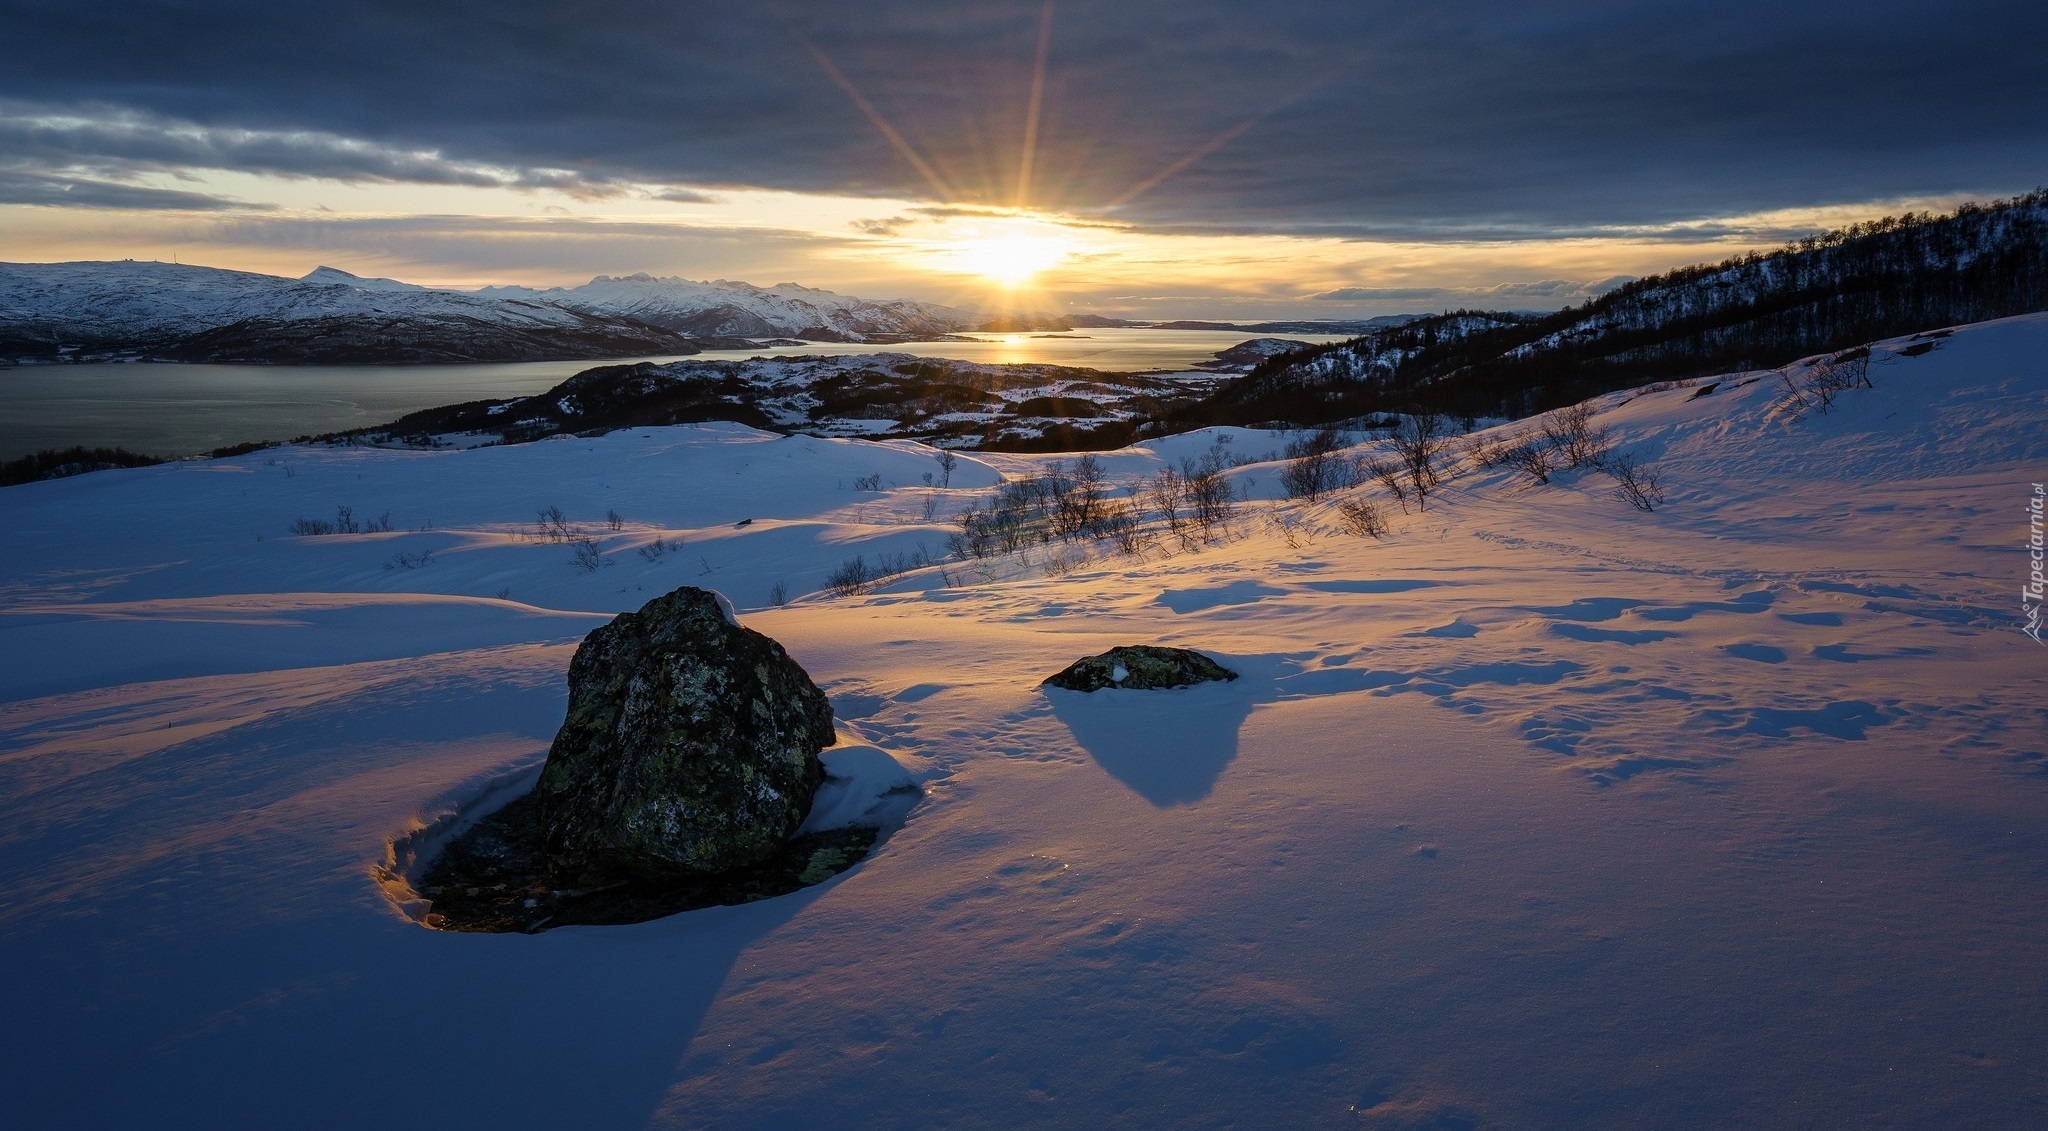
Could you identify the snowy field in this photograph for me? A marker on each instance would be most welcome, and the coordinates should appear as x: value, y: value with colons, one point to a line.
x: 1541, y: 812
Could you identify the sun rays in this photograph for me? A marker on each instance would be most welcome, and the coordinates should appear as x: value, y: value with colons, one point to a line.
x: 1010, y: 246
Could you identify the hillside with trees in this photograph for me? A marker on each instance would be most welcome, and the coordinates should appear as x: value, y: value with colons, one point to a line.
x: 1887, y: 277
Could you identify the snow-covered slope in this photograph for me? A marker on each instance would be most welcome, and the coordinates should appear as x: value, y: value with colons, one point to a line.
x: 729, y: 309
x: 1540, y: 811
x: 335, y: 275
x: 187, y: 313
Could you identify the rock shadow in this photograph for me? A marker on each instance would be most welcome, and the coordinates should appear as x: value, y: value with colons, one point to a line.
x: 1168, y: 747
x: 1196, y: 600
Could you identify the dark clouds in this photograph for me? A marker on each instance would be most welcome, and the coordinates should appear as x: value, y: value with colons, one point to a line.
x: 1341, y: 117
x: 18, y: 187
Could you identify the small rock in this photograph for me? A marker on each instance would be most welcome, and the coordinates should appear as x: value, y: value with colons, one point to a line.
x: 1140, y: 667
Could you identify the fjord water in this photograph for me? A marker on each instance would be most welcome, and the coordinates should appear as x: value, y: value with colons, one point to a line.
x: 174, y: 410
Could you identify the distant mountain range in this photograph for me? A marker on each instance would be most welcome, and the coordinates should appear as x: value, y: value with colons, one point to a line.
x: 174, y: 312
x: 131, y: 310
x: 57, y: 311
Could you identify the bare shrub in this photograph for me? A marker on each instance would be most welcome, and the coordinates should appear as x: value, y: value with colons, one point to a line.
x: 1528, y: 456
x: 947, y: 462
x: 1420, y: 444
x: 344, y: 523
x: 658, y: 549
x: 613, y: 520
x: 1123, y: 526
x: 587, y: 556
x: 1816, y: 384
x: 1573, y: 439
x: 868, y: 482
x: 1792, y: 396
x: 1166, y: 493
x: 976, y: 537
x: 1075, y: 494
x: 1064, y: 561
x: 1362, y: 518
x: 778, y: 594
x: 1208, y: 496
x: 404, y: 560
x: 853, y: 577
x: 1291, y: 529
x: 1388, y: 474
x: 857, y: 574
x: 552, y: 526
x: 1634, y: 483
x: 1313, y: 467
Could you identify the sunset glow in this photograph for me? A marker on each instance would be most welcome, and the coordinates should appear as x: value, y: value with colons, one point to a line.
x: 1010, y: 253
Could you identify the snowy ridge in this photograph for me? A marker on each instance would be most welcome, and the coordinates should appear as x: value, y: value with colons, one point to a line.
x: 55, y: 311
x: 724, y: 308
x: 335, y: 275
x: 60, y: 311
x: 92, y: 300
x: 1538, y: 811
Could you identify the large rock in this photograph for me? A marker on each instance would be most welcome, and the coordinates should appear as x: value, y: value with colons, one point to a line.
x: 691, y: 746
x: 1140, y: 666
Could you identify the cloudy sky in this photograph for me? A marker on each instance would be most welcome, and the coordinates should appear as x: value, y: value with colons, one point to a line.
x: 1197, y: 158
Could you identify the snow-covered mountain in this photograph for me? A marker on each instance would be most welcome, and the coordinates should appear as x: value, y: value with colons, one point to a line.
x: 335, y: 275
x: 74, y: 311
x: 727, y: 309
x: 187, y: 313
x: 1533, y: 811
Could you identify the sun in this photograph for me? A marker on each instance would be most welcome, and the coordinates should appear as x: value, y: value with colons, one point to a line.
x: 1011, y: 260
x: 1009, y: 254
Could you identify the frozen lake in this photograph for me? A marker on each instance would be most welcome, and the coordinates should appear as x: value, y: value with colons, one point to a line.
x: 169, y: 409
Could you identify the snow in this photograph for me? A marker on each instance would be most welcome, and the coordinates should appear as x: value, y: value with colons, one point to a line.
x: 335, y: 275
x: 95, y: 299
x: 724, y: 307
x: 1539, y: 812
x: 110, y: 300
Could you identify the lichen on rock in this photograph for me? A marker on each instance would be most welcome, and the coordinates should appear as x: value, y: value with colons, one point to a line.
x: 1140, y: 667
x: 690, y: 747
